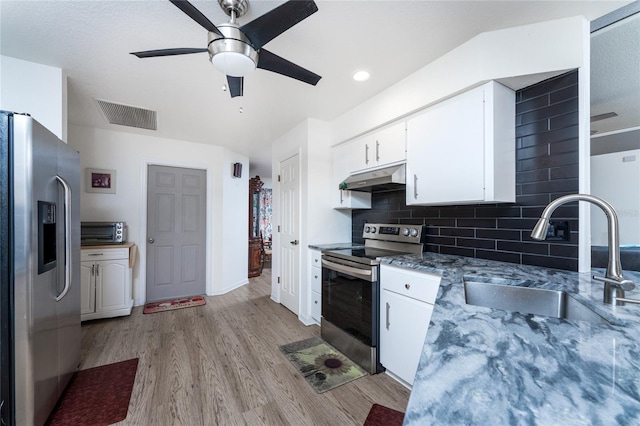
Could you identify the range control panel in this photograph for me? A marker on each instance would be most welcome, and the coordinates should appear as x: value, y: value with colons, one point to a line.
x: 394, y: 232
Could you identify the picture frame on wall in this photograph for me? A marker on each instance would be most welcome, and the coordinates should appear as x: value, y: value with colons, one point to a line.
x: 100, y: 181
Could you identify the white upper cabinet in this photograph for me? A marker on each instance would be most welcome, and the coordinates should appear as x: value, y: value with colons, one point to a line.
x: 345, y: 199
x: 385, y: 146
x: 462, y: 150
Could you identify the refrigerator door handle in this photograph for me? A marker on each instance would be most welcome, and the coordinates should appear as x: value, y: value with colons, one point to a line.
x: 67, y: 238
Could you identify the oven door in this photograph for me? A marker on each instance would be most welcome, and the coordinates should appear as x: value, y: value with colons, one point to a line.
x: 350, y: 298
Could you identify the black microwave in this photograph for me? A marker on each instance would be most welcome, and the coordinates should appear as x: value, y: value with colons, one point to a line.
x: 97, y: 233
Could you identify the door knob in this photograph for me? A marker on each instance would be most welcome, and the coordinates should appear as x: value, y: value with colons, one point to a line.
x: 294, y: 242
x: 151, y: 241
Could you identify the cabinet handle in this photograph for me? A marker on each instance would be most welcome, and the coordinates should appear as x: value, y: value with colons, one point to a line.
x: 407, y: 286
x: 377, y: 151
x: 316, y: 277
x: 366, y: 154
x: 93, y: 270
x: 388, y: 322
x: 97, y: 270
x: 415, y: 186
x: 341, y: 195
x: 316, y: 302
x: 96, y: 254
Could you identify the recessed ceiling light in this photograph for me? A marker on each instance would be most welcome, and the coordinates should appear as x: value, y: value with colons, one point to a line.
x: 361, y: 76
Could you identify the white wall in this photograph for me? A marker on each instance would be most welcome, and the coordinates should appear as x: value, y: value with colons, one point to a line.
x: 36, y: 89
x: 130, y: 154
x: 267, y: 182
x: 615, y: 177
x: 234, y: 246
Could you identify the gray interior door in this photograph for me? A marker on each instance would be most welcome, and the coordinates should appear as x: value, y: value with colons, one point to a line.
x: 176, y: 232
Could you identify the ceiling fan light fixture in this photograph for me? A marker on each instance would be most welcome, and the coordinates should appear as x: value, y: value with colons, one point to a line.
x: 232, y: 55
x: 233, y: 49
x: 233, y: 64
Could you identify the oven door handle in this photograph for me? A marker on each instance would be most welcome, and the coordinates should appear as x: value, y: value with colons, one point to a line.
x: 350, y: 270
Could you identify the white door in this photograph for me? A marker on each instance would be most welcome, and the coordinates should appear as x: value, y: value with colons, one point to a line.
x: 290, y: 233
x: 176, y: 237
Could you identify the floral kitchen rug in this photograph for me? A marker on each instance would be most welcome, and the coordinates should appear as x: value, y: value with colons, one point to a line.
x: 322, y: 366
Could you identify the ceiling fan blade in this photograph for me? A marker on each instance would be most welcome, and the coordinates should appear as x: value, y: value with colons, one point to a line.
x: 236, y: 85
x: 273, y: 23
x: 196, y: 15
x: 272, y: 62
x: 168, y: 52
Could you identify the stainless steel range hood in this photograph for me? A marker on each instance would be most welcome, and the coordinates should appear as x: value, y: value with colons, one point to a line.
x: 385, y: 179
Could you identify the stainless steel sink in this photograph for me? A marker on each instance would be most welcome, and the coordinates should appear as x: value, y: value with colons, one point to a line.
x: 528, y: 300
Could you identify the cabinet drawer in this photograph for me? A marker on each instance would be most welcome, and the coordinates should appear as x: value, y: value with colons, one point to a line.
x: 102, y: 254
x: 316, y: 257
x: 418, y: 285
x: 316, y: 279
x: 316, y: 306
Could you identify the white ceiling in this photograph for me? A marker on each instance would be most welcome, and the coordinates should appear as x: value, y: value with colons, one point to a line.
x: 615, y: 75
x: 91, y: 41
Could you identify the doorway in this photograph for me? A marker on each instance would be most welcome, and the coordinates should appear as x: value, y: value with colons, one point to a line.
x: 176, y: 232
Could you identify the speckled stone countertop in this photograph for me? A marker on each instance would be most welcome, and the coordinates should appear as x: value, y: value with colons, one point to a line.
x: 482, y: 366
x: 335, y: 246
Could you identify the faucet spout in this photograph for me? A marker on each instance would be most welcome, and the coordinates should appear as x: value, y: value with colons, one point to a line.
x: 614, y: 282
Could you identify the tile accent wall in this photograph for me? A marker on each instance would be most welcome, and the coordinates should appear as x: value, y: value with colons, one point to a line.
x: 546, y: 168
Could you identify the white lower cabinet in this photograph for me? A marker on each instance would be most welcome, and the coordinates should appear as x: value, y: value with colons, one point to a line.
x: 406, y: 304
x: 105, y: 281
x: 316, y: 285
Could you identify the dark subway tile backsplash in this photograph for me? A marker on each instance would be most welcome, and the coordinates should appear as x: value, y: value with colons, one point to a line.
x: 546, y: 168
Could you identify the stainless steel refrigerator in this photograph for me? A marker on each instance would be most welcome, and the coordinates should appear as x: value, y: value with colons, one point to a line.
x: 39, y: 269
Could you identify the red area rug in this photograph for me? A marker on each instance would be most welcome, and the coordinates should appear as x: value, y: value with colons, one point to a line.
x: 168, y: 305
x: 96, y: 396
x: 379, y: 415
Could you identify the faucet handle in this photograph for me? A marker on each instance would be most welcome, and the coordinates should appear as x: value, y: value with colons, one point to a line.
x: 623, y: 284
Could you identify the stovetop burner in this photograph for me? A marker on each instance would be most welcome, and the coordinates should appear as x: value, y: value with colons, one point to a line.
x: 383, y: 240
x: 365, y: 255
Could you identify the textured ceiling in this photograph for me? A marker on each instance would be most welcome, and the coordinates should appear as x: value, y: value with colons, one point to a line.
x: 615, y: 75
x: 91, y: 41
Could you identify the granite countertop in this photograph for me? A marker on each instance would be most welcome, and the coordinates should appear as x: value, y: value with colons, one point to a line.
x: 335, y: 246
x: 482, y: 366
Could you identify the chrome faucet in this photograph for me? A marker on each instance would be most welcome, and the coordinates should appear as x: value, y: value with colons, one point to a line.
x: 614, y: 283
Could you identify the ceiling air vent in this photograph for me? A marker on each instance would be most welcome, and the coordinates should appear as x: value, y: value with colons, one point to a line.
x: 125, y: 115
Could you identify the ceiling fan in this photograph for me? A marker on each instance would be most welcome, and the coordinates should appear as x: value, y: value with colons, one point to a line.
x: 237, y: 50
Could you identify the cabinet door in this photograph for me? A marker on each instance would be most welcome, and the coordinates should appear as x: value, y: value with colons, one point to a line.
x: 343, y: 161
x: 403, y: 327
x: 390, y: 144
x: 445, y: 152
x: 361, y: 153
x: 316, y: 306
x: 87, y: 288
x: 111, y: 285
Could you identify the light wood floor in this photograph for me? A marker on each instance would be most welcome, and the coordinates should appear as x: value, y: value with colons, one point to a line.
x: 219, y: 364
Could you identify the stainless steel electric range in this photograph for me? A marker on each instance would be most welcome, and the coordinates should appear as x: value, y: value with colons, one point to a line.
x: 351, y: 290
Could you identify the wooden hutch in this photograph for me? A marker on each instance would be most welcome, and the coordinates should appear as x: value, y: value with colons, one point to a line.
x: 255, y: 242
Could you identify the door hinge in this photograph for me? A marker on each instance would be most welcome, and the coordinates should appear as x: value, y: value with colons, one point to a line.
x: 278, y: 178
x: 278, y: 280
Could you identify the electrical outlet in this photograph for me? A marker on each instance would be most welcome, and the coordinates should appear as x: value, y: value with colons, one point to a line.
x: 558, y: 230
